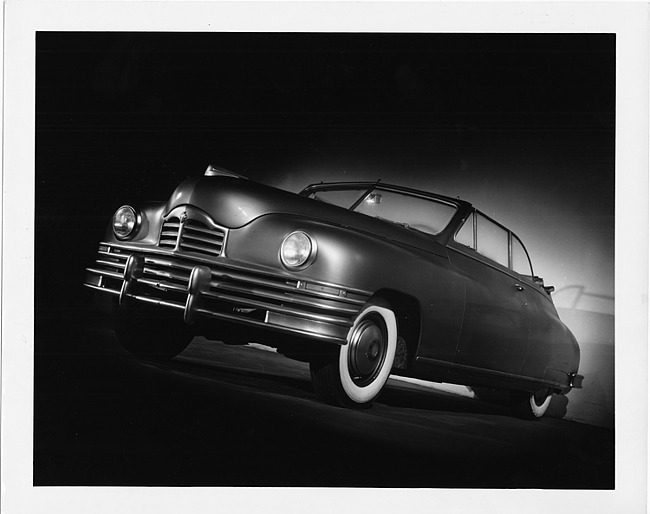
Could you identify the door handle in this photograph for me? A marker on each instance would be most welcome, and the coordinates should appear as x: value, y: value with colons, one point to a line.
x: 519, y: 287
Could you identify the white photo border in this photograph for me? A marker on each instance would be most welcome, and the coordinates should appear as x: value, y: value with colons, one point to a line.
x: 22, y: 19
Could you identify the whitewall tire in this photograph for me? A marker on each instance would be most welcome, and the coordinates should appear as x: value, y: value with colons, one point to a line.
x: 365, y: 362
x: 355, y: 376
x: 530, y: 406
x: 538, y: 407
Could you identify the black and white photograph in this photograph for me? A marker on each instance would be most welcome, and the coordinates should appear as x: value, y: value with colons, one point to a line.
x: 307, y: 262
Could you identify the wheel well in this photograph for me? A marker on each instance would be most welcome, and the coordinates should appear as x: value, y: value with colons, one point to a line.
x: 407, y: 312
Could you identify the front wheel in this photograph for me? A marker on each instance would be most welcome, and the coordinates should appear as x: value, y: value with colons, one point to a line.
x: 530, y: 406
x: 356, y: 373
x: 146, y: 331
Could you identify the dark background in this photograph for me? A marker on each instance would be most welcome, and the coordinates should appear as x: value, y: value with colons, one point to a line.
x: 123, y: 117
x: 518, y: 122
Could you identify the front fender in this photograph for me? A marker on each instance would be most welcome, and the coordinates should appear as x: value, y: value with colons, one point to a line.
x: 370, y: 263
x: 344, y: 256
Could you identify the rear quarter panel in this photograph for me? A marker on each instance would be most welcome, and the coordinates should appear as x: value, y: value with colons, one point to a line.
x: 552, y: 350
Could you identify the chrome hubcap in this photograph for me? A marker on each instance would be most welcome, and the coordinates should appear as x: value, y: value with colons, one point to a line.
x: 367, y: 350
x: 373, y: 351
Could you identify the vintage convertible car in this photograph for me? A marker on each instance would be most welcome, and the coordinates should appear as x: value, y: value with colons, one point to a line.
x: 359, y: 279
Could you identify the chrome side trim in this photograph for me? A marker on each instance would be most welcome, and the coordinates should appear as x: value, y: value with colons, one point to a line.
x: 289, y: 299
x: 500, y: 375
x: 345, y: 322
x: 263, y: 324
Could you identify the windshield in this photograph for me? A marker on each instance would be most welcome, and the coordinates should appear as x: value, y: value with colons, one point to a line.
x: 427, y: 215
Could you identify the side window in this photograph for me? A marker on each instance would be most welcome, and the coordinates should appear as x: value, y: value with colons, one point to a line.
x: 491, y: 240
x: 520, y: 262
x: 465, y: 235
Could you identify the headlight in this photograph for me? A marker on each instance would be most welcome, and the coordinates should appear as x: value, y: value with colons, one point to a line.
x: 125, y: 221
x: 297, y: 249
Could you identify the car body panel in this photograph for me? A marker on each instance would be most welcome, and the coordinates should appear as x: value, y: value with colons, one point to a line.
x: 552, y: 348
x: 497, y: 321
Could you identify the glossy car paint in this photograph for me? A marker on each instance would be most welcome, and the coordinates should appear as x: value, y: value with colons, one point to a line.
x: 465, y: 318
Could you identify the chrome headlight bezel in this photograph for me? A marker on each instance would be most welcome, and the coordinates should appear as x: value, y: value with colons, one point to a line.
x: 135, y: 220
x: 307, y: 254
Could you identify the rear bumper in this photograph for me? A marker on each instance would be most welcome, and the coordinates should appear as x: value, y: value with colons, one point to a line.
x: 575, y: 381
x: 222, y: 289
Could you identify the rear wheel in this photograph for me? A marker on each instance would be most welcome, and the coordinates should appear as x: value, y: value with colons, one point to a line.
x: 354, y: 374
x: 530, y: 406
x: 148, y: 332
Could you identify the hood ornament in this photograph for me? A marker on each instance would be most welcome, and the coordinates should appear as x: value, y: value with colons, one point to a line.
x: 216, y: 171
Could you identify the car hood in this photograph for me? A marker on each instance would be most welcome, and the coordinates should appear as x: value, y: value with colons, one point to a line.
x: 235, y: 202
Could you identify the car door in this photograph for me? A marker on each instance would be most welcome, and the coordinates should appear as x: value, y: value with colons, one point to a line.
x: 496, y: 321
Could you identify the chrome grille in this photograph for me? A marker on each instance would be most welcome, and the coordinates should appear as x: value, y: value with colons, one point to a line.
x: 195, y: 236
x: 169, y: 234
x: 198, y: 237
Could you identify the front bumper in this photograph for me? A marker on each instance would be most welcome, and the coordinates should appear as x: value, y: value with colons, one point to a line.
x: 222, y: 289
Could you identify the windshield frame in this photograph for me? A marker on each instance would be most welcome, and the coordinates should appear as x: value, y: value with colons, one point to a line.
x: 367, y: 188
